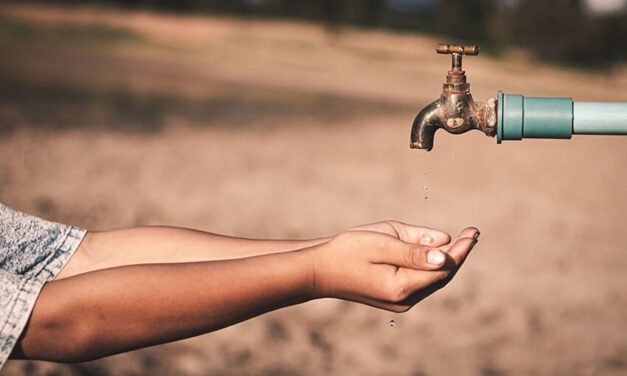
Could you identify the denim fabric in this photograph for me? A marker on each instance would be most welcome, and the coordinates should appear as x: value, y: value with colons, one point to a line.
x: 32, y: 252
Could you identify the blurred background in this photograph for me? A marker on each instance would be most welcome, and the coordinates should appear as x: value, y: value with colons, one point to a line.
x: 291, y: 119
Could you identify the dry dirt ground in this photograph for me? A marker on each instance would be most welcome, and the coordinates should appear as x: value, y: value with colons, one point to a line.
x: 276, y: 129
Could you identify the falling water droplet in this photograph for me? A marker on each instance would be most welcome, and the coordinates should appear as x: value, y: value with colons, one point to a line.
x: 392, y: 323
x: 426, y: 197
x: 425, y: 188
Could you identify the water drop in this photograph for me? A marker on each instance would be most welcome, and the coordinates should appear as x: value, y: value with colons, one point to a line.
x: 425, y: 188
x: 426, y: 197
x: 426, y: 239
x: 392, y: 323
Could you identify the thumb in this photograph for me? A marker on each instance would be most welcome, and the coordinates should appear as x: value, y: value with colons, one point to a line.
x: 410, y: 256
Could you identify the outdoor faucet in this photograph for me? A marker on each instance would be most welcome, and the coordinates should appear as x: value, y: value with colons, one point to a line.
x: 510, y: 116
x: 455, y: 111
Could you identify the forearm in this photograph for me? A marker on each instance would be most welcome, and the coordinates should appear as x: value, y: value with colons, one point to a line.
x: 115, y: 310
x: 155, y: 245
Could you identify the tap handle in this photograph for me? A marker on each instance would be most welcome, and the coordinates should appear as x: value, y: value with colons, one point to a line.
x: 456, y: 52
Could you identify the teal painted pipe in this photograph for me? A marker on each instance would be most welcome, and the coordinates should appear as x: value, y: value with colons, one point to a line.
x: 528, y: 117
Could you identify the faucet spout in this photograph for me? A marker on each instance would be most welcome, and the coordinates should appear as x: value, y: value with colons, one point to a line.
x: 455, y: 111
x: 426, y: 123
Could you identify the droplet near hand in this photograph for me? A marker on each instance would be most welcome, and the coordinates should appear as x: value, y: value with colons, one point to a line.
x: 426, y: 238
x: 392, y: 323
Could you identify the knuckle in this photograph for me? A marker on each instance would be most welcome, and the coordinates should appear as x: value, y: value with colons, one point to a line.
x: 393, y: 222
x: 408, y: 257
x: 414, y: 256
x: 396, y: 226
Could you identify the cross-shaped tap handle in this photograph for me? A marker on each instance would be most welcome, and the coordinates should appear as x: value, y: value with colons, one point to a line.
x: 456, y: 52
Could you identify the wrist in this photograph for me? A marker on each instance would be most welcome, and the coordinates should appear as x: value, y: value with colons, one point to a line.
x: 296, y: 273
x: 308, y: 271
x: 319, y: 269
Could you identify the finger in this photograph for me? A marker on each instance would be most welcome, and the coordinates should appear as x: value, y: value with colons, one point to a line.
x: 381, y: 304
x: 429, y: 237
x: 421, y: 235
x: 410, y: 256
x: 416, y: 281
x: 468, y: 232
x: 460, y: 249
x: 420, y: 295
x: 424, y: 286
x: 421, y: 284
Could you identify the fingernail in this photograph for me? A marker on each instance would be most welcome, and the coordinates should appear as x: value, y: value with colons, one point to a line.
x: 435, y: 257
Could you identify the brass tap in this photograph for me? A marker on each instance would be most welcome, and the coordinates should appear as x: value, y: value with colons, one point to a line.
x: 455, y: 111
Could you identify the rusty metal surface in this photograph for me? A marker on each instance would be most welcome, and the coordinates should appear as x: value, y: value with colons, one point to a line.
x: 455, y: 111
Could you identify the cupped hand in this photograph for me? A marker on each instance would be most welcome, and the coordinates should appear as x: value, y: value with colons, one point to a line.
x: 389, y: 265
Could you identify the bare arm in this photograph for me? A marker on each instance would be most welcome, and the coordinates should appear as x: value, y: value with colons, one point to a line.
x: 160, y: 244
x: 114, y: 310
x: 109, y: 311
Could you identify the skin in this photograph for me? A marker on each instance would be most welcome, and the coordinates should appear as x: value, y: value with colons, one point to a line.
x: 132, y: 288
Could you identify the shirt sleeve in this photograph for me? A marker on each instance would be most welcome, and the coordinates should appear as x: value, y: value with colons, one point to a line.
x: 17, y: 299
x: 32, y: 252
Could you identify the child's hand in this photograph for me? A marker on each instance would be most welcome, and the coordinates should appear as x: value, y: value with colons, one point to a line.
x: 389, y: 265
